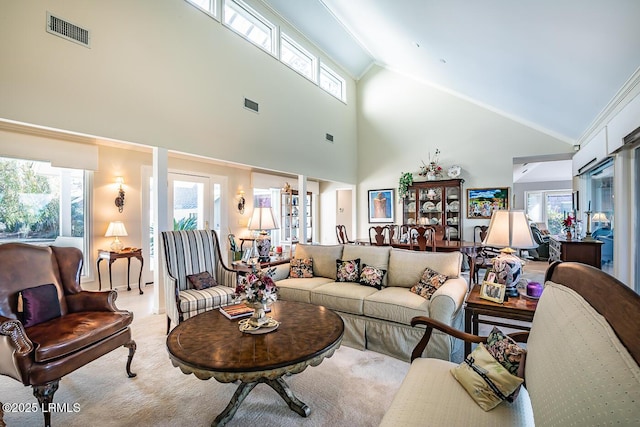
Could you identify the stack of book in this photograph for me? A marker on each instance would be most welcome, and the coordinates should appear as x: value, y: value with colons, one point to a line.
x: 236, y: 311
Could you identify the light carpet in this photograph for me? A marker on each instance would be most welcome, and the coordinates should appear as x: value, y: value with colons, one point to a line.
x: 352, y: 388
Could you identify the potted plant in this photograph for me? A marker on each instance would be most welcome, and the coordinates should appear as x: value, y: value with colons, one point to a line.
x: 406, y: 179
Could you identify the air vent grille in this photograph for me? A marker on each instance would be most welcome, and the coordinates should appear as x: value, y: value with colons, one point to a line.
x: 250, y: 105
x: 67, y: 30
x: 329, y: 137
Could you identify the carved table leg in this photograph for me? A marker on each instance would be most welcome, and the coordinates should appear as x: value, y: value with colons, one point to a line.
x: 131, y: 345
x: 280, y: 386
x: 241, y: 392
x: 44, y: 393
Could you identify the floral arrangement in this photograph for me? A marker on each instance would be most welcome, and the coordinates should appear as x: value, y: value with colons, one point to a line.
x: 257, y: 287
x: 433, y: 168
x: 568, y: 222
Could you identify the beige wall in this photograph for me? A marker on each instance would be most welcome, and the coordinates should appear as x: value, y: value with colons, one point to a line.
x: 401, y: 121
x: 162, y: 73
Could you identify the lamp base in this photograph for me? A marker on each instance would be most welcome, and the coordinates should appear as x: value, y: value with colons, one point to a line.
x: 263, y: 243
x: 116, y: 245
x: 508, y: 269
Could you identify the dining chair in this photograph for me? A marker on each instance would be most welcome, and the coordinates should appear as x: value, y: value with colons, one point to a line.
x: 394, y: 232
x: 379, y: 235
x: 341, y: 234
x: 484, y: 257
x: 424, y: 238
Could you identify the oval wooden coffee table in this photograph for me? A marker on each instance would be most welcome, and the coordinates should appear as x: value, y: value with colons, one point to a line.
x: 211, y: 346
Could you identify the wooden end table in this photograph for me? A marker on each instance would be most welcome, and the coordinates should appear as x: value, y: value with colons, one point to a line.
x: 211, y: 346
x: 515, y: 308
x: 113, y: 257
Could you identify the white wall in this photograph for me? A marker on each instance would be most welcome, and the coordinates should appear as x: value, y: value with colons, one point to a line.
x: 518, y: 201
x: 401, y: 121
x: 162, y: 73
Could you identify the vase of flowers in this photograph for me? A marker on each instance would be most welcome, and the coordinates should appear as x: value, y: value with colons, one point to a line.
x: 568, y: 225
x: 258, y: 291
x: 432, y: 170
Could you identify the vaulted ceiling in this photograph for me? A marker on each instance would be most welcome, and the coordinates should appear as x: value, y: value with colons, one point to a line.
x: 551, y: 64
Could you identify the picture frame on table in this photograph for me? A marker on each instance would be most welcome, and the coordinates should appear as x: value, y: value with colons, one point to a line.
x: 381, y: 206
x: 490, y: 276
x: 482, y: 202
x: 493, y: 291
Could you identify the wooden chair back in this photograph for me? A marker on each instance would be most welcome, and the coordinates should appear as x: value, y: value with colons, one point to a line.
x: 423, y: 239
x: 341, y: 234
x: 394, y: 232
x: 379, y: 235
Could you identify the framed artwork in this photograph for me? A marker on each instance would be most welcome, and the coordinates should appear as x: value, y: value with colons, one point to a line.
x: 381, y: 206
x: 493, y: 291
x: 490, y: 276
x: 481, y: 202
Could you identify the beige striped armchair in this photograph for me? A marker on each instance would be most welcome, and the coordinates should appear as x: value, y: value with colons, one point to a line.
x: 190, y: 252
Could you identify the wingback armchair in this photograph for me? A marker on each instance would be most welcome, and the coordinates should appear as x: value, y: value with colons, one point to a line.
x: 189, y: 253
x: 49, y: 325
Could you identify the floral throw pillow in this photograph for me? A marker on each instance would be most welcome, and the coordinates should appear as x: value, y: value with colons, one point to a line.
x: 506, y: 351
x: 202, y: 280
x: 348, y: 271
x: 301, y: 268
x: 372, y: 276
x: 429, y: 283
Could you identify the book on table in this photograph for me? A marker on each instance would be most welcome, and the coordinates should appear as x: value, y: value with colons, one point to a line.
x: 236, y: 311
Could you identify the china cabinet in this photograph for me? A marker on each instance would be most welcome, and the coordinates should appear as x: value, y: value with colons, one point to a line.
x: 290, y: 221
x: 436, y: 203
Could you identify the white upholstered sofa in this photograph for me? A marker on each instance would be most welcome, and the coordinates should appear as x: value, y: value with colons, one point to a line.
x: 581, y: 366
x: 380, y: 320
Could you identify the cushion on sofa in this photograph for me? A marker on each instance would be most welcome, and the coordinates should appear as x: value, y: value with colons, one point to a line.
x: 74, y: 331
x: 348, y: 270
x: 377, y: 256
x: 431, y: 396
x: 406, y: 267
x: 38, y: 304
x: 485, y: 379
x: 395, y: 304
x: 324, y: 258
x: 299, y: 290
x: 342, y: 296
x: 301, y: 268
x: 429, y: 283
x: 202, y: 280
x: 372, y: 276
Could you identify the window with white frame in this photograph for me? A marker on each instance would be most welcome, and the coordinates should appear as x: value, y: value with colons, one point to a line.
x: 331, y: 82
x: 250, y: 24
x: 42, y: 203
x: 293, y: 55
x: 209, y: 6
x: 549, y: 208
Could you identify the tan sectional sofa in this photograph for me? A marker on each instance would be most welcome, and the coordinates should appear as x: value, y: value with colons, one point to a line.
x: 380, y: 320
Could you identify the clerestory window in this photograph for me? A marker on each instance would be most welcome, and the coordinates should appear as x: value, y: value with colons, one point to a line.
x: 249, y: 24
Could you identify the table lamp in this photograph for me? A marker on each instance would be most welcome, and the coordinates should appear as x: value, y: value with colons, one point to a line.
x: 116, y: 229
x: 509, y: 229
x: 262, y: 220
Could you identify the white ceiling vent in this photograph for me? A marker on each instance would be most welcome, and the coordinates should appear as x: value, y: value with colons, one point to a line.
x: 67, y: 30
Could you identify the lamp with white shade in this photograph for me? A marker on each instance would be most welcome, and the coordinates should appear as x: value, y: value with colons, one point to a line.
x: 263, y: 220
x: 509, y: 229
x: 116, y: 229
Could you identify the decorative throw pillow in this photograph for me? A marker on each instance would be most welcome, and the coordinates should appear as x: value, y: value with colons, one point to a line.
x: 39, y: 304
x: 301, y: 268
x: 202, y: 280
x: 506, y: 351
x: 485, y: 379
x: 372, y: 276
x: 348, y: 271
x: 429, y: 283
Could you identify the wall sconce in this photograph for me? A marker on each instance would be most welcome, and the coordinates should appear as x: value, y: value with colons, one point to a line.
x: 120, y: 199
x: 241, y: 202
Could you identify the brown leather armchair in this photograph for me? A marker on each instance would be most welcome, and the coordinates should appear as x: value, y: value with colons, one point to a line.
x: 88, y: 325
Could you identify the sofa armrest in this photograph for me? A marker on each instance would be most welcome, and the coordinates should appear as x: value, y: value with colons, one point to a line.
x: 92, y: 301
x: 447, y: 301
x: 14, y: 329
x: 432, y: 324
x: 281, y: 272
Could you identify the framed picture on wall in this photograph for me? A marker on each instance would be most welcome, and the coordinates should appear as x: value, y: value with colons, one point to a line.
x: 481, y: 202
x: 381, y: 206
